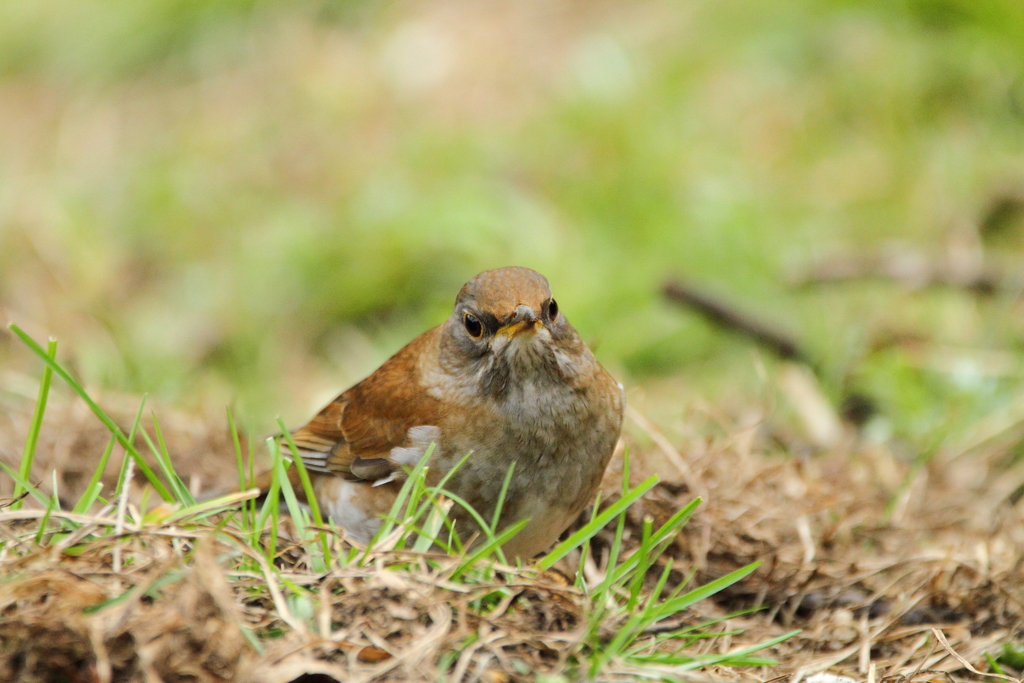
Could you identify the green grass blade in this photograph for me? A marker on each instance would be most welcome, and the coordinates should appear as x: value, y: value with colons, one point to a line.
x: 298, y: 514
x: 504, y: 492
x: 670, y: 607
x: 477, y: 517
x: 92, y: 490
x: 290, y: 500
x: 163, y: 459
x: 144, y: 467
x: 261, y: 519
x: 581, y: 579
x: 184, y: 494
x: 661, y: 538
x: 131, y: 438
x: 242, y: 483
x: 420, y: 502
x: 251, y: 460
x: 45, y: 521
x: 448, y: 475
x: 596, y: 524
x: 613, y: 558
x: 489, y: 548
x: 655, y: 595
x: 275, y: 513
x: 637, y: 622
x: 32, y: 439
x: 307, y: 487
x: 151, y: 589
x: 269, y: 509
x: 25, y: 485
x: 428, y: 534
x: 210, y: 507
x: 90, y: 496
x: 616, y: 547
x: 708, y: 660
x: 432, y: 500
x: 645, y: 558
x: 400, y: 499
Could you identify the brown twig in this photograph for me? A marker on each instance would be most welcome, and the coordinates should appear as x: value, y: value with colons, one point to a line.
x: 728, y: 316
x: 941, y: 637
x: 913, y: 271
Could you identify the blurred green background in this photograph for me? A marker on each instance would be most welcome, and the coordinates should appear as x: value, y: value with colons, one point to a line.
x: 257, y: 201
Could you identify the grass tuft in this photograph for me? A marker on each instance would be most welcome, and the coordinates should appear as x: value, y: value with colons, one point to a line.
x: 285, y: 583
x: 28, y: 455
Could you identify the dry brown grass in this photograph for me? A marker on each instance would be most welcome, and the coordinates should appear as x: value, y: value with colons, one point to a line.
x: 861, y: 549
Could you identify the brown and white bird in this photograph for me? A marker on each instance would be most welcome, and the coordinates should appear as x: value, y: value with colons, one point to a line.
x: 505, y: 379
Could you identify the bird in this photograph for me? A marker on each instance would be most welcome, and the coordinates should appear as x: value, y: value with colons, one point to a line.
x: 504, y: 381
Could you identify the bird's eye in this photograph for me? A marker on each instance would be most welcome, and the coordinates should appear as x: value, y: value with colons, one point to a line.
x: 473, y: 325
x: 552, y: 309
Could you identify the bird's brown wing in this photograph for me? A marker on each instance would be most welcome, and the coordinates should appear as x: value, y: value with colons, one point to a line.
x: 353, y: 435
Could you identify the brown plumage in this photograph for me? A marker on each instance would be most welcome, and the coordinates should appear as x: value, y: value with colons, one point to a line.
x: 505, y: 378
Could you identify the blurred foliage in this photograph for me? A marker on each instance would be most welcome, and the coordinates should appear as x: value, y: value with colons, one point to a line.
x: 1011, y: 657
x: 246, y: 198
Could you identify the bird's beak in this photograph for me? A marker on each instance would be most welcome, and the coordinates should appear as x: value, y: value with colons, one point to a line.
x: 524, y: 320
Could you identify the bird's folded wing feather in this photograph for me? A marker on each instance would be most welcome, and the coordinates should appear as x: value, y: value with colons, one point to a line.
x: 355, y: 433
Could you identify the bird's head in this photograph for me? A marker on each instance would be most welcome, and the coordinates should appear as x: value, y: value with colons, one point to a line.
x: 508, y: 329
